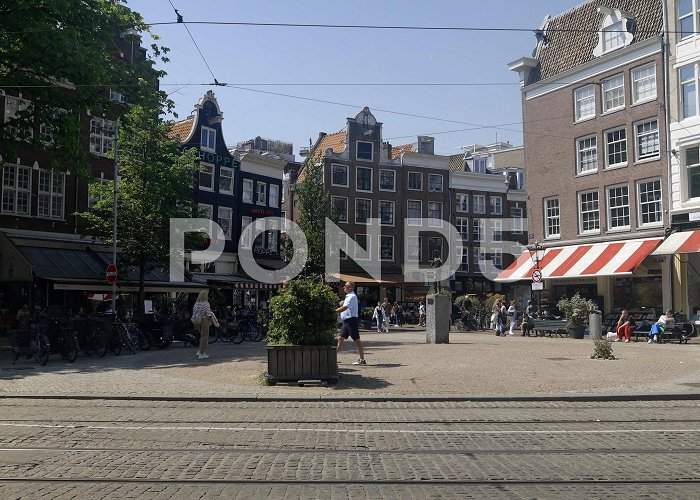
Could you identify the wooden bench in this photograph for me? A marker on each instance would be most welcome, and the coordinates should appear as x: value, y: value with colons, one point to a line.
x: 553, y: 326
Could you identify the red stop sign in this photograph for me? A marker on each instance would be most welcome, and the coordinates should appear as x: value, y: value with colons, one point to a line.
x: 111, y: 274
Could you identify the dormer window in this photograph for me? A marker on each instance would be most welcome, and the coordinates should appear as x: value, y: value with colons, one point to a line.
x: 613, y: 37
x: 208, y: 139
x: 616, y: 31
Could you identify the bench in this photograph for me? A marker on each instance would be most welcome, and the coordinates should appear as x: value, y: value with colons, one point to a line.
x: 553, y: 326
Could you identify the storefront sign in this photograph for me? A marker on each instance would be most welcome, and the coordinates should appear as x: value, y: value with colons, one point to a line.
x: 694, y: 216
x: 261, y: 251
x: 261, y: 211
x: 225, y: 161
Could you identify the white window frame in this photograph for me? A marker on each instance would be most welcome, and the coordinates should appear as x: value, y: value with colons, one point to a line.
x: 686, y: 169
x: 638, y: 82
x: 442, y: 248
x: 52, y: 198
x: 15, y: 191
x: 688, y: 82
x: 274, y: 199
x: 408, y: 181
x: 206, y: 169
x: 393, y: 182
x: 245, y: 238
x: 582, y: 102
x: 479, y: 164
x: 478, y: 230
x: 414, y: 243
x: 357, y: 151
x: 589, y: 211
x: 261, y: 194
x: 393, y: 212
x: 463, y: 227
x: 247, y: 191
x: 586, y: 146
x: 496, y: 208
x: 371, y: 179
x: 13, y: 105
x: 497, y: 257
x: 430, y: 178
x: 496, y: 230
x: 641, y: 204
x: 431, y: 219
x: 693, y: 16
x: 225, y: 173
x: 369, y: 216
x: 207, y: 139
x: 368, y: 242
x: 610, y: 208
x: 115, y: 95
x: 381, y: 248
x: 205, y: 207
x: 613, y: 36
x: 620, y: 152
x: 462, y: 204
x: 102, y: 137
x: 227, y: 220
x: 613, y: 91
x: 341, y: 221
x: 517, y: 217
x: 552, y: 220
x: 638, y: 136
x: 479, y: 255
x: 413, y: 221
x: 464, y: 262
x: 273, y: 239
x: 479, y: 204
x: 340, y: 167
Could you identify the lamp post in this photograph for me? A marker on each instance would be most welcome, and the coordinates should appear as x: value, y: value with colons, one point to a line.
x: 536, y: 254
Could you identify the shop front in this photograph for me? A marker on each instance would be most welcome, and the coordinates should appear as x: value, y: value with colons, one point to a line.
x: 683, y: 248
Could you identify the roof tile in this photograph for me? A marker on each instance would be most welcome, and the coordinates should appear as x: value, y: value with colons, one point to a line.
x: 181, y: 130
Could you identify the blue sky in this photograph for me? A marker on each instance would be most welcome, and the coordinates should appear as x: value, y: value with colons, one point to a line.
x: 248, y: 55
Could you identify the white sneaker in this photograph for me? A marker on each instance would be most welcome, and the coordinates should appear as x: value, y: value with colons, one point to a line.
x: 627, y: 340
x: 510, y: 334
x: 203, y: 356
x: 197, y: 354
x: 617, y: 340
x: 650, y: 341
x: 656, y: 338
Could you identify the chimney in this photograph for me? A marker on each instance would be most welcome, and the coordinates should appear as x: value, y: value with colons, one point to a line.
x: 426, y: 145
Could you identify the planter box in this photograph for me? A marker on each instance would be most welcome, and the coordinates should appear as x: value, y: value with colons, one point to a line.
x: 291, y: 363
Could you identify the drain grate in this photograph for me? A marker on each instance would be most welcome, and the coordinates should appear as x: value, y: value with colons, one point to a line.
x: 559, y: 359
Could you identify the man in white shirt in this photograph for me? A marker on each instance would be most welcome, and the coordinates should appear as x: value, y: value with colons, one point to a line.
x: 349, y: 313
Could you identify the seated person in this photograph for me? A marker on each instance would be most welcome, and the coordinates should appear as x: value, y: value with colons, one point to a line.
x: 529, y: 319
x: 624, y: 326
x: 665, y: 321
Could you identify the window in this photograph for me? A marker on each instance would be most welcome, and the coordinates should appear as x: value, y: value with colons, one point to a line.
x: 386, y: 213
x: 479, y: 256
x: 589, y: 212
x: 225, y: 220
x: 497, y: 258
x: 479, y: 165
x: 616, y: 148
x: 205, y: 211
x: 339, y: 175
x: 613, y: 93
x: 587, y: 155
x: 206, y: 177
x: 386, y: 249
x: 364, y: 179
x: 462, y: 203
x: 644, y: 83
x: 339, y: 208
x: 688, y: 76
x: 245, y: 238
x: 647, y: 139
x: 687, y: 13
x: 516, y: 215
x: 650, y: 209
x: 496, y: 205
x: 414, y: 212
x: 584, y: 102
x: 552, y: 221
x: 51, y: 199
x: 273, y: 239
x: 261, y: 198
x: 16, y: 183
x: 365, y: 150
x: 414, y: 253
x: 101, y: 137
x: 225, y: 180
x: 13, y: 107
x: 208, y: 139
x: 618, y: 207
x: 415, y: 181
x: 274, y: 196
x: 464, y: 264
x: 692, y: 166
x: 387, y: 180
x: 496, y: 230
x: 117, y: 96
x: 613, y: 36
x: 362, y: 241
x: 434, y: 248
x: 247, y: 191
x: 434, y: 183
x: 435, y: 212
x: 363, y: 211
x: 479, y: 204
x: 462, y: 224
x: 478, y: 230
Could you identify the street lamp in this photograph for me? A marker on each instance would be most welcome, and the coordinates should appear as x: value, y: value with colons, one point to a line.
x: 536, y: 253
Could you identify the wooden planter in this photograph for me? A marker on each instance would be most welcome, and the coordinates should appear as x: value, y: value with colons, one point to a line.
x: 291, y: 363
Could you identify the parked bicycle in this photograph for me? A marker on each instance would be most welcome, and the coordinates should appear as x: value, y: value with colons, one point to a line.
x: 30, y: 343
x: 61, y: 337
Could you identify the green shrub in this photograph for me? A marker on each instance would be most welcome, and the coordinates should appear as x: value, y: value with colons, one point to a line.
x: 602, y: 350
x: 459, y: 300
x: 576, y: 309
x: 367, y: 313
x: 304, y: 315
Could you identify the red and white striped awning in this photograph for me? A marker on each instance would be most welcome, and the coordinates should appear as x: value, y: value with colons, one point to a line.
x: 99, y: 297
x: 685, y: 242
x: 577, y: 261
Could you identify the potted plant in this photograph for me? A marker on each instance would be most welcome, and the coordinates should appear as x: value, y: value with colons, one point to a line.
x: 575, y: 311
x: 302, y: 333
x: 366, y: 318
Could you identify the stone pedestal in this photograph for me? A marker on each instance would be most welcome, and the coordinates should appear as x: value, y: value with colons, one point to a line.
x: 437, y: 323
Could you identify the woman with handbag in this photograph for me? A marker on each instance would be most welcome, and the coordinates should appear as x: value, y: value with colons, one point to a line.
x: 202, y: 318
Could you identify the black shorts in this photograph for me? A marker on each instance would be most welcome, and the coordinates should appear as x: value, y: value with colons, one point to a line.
x: 350, y: 328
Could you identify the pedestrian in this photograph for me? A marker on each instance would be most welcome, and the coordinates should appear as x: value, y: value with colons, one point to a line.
x: 529, y: 319
x: 378, y: 317
x: 421, y: 314
x: 387, y: 313
x: 512, y: 316
x: 399, y: 315
x: 202, y: 318
x: 624, y: 326
x: 351, y: 322
x: 665, y: 321
x: 494, y: 315
x: 392, y: 317
x: 23, y: 317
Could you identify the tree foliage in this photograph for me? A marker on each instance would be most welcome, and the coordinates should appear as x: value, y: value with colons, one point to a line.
x: 155, y: 182
x: 313, y: 203
x: 63, y: 57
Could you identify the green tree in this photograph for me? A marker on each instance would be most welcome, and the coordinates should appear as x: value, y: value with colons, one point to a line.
x: 63, y: 57
x: 155, y: 182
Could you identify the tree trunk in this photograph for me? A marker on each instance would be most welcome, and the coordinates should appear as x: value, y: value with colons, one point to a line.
x: 140, y: 311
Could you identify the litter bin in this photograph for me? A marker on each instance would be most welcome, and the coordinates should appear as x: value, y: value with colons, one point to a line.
x: 595, y: 325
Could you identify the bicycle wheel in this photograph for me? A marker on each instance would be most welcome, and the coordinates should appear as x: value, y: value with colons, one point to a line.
x: 71, y: 347
x: 237, y: 337
x: 99, y: 340
x: 144, y: 340
x: 126, y: 340
x: 258, y: 335
x: 42, y: 349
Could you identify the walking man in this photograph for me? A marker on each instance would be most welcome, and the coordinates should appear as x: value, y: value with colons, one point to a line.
x: 387, y: 313
x: 349, y: 310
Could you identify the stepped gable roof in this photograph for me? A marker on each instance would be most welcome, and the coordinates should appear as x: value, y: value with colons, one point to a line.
x: 568, y: 49
x: 457, y: 163
x: 181, y: 130
x: 397, y: 150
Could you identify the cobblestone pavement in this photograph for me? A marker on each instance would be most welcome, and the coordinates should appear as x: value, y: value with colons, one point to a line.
x: 400, y: 363
x: 63, y: 448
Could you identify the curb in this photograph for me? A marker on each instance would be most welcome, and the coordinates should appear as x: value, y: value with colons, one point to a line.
x: 573, y: 398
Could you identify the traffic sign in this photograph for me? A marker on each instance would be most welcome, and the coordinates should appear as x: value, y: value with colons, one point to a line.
x: 111, y: 274
x: 537, y: 276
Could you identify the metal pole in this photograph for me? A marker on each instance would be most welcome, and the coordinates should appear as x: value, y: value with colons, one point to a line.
x: 114, y: 220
